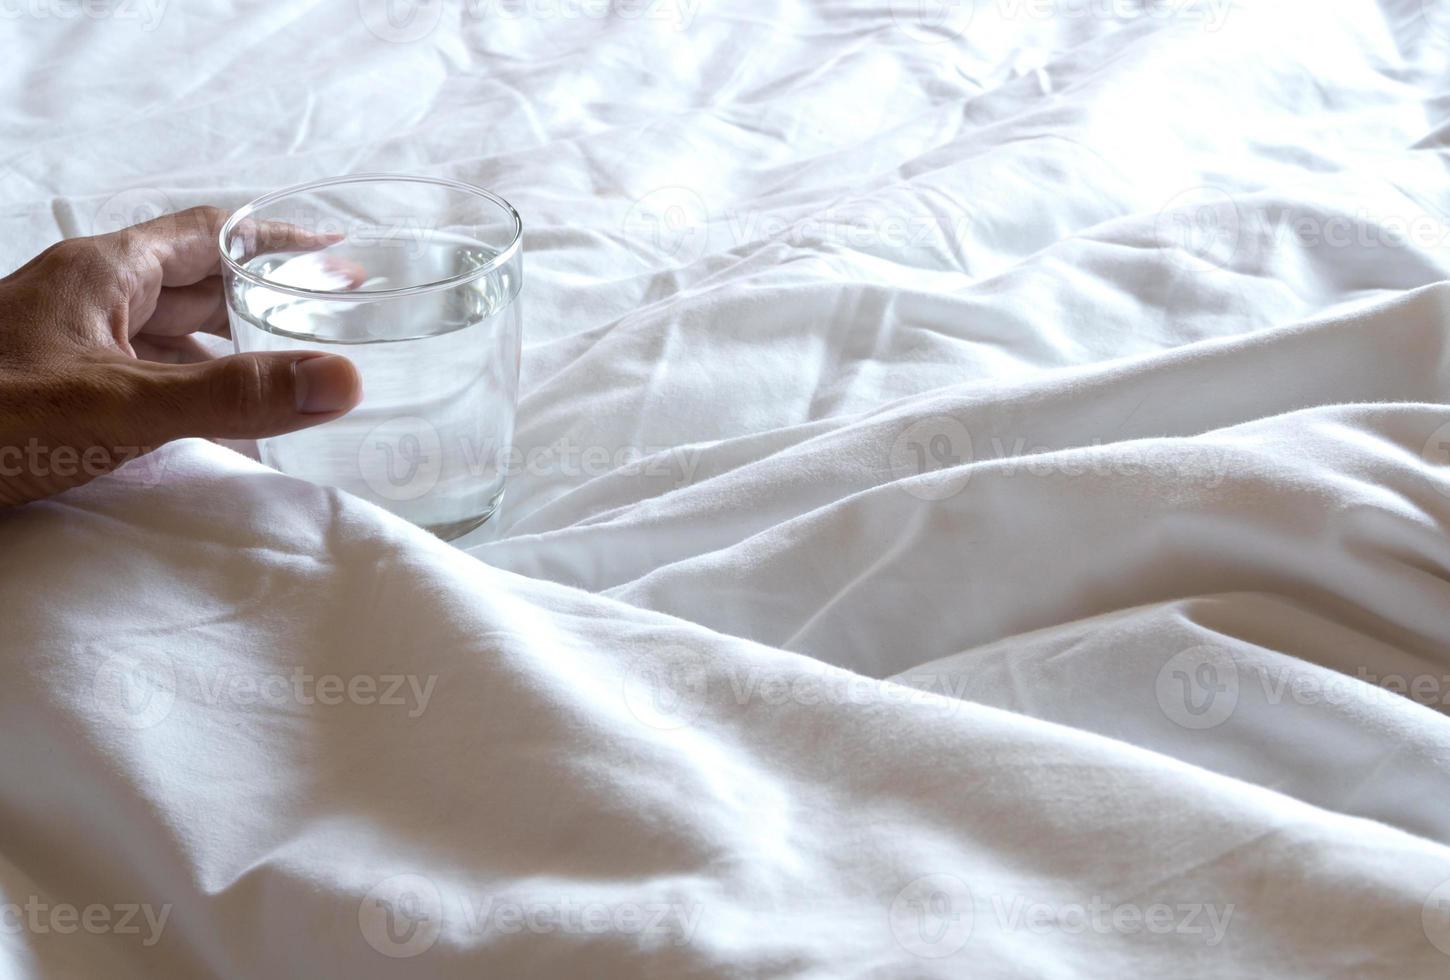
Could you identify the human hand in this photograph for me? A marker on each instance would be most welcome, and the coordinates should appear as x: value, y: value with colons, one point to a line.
x: 98, y: 363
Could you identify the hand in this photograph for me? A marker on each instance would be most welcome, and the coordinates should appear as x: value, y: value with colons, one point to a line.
x: 98, y: 365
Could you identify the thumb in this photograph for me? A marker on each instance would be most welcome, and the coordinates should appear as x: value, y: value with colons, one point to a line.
x: 245, y: 396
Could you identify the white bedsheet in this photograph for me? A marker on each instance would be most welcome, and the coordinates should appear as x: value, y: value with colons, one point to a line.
x: 1145, y: 672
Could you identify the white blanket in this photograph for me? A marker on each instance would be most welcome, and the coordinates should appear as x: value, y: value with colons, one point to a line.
x: 981, y: 507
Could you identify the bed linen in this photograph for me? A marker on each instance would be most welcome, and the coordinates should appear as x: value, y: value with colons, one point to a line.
x: 980, y: 508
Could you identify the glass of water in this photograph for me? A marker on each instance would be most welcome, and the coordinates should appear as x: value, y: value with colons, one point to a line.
x: 416, y: 280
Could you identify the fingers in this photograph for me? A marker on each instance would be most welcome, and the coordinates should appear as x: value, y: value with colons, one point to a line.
x: 172, y: 250
x: 185, y: 349
x: 169, y: 266
x: 251, y: 238
x: 200, y: 306
x: 183, y: 245
x: 107, y: 409
x: 188, y: 309
x: 244, y: 396
x: 324, y: 273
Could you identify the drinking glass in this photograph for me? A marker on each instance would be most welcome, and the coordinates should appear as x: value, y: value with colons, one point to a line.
x: 416, y: 280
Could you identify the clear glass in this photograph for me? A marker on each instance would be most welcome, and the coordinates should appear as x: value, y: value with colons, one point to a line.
x: 416, y: 280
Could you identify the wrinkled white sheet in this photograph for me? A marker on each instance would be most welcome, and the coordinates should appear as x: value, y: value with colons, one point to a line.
x: 1145, y: 671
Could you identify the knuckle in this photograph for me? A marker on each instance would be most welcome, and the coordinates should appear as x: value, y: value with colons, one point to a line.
x: 76, y: 254
x: 88, y: 267
x: 204, y: 219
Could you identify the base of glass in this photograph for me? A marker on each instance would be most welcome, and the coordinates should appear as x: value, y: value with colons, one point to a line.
x: 457, y: 529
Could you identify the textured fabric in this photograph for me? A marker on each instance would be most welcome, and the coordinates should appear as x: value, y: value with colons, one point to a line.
x: 980, y: 508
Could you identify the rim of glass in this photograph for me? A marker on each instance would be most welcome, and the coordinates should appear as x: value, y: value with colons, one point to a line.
x: 248, y: 209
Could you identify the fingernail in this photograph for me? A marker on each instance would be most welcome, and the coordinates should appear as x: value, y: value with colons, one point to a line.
x: 324, y: 384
